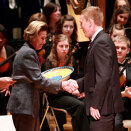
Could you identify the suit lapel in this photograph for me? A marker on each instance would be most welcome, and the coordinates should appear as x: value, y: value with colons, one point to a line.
x: 92, y: 43
x: 99, y: 34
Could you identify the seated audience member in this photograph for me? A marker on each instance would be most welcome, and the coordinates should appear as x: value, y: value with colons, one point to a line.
x: 118, y: 29
x: 67, y: 25
x: 38, y: 17
x: 58, y: 56
x: 119, y: 3
x: 24, y: 102
x: 62, y: 4
x: 122, y: 44
x: 5, y: 70
x: 115, y: 30
x: 121, y: 16
x: 52, y: 13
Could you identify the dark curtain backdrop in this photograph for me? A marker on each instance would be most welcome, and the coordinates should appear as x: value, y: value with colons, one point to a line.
x: 10, y: 18
x: 109, y: 11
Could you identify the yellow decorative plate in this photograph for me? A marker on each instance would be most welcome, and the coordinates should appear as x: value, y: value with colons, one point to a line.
x: 58, y: 73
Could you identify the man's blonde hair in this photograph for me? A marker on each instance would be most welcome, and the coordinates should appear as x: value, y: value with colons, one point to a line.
x: 122, y: 38
x: 94, y: 13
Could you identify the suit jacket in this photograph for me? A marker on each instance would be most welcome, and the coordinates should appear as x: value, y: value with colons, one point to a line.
x: 127, y: 101
x: 101, y: 77
x: 25, y: 96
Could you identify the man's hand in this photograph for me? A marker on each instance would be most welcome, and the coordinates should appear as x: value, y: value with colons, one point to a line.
x: 128, y: 92
x: 95, y: 113
x: 70, y: 85
x: 5, y: 82
x: 81, y: 95
x: 78, y: 94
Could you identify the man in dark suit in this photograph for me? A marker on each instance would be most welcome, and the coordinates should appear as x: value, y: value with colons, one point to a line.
x: 101, y: 75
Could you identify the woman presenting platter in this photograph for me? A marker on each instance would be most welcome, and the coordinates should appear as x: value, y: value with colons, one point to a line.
x: 24, y: 100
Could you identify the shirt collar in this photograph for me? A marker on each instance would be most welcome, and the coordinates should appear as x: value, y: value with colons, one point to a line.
x: 95, y: 34
x: 122, y: 62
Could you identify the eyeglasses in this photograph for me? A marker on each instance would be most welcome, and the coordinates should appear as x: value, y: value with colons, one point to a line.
x: 68, y: 27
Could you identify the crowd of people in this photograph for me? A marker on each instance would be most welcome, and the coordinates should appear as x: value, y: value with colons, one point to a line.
x: 97, y: 97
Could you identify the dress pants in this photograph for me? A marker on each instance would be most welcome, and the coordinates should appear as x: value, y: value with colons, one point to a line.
x: 24, y: 122
x: 118, y: 123
x: 106, y: 123
x: 3, y: 103
x: 75, y: 107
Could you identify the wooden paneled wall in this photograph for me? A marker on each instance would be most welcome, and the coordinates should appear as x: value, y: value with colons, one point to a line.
x: 81, y: 36
x: 102, y: 5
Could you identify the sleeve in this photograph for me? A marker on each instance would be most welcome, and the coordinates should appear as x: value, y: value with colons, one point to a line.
x: 81, y: 84
x: 31, y: 67
x: 75, y: 74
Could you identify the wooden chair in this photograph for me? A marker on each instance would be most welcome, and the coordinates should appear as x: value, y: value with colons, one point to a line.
x: 49, y: 110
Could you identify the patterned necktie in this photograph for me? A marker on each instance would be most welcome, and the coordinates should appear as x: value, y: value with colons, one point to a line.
x: 89, y: 45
